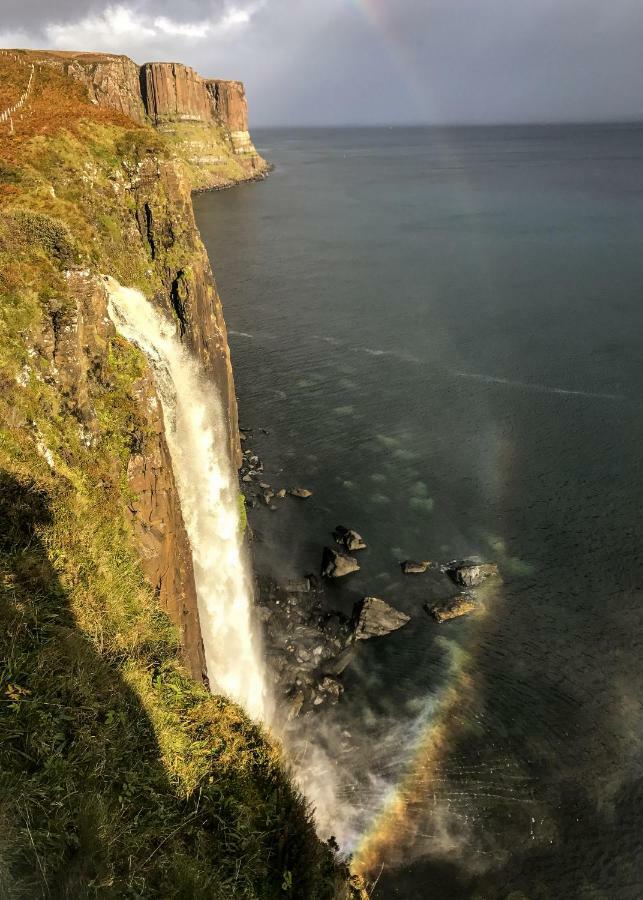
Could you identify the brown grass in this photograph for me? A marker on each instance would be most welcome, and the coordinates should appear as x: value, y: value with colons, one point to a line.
x: 56, y: 101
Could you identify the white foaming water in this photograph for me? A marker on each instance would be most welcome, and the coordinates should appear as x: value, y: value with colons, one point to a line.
x: 197, y: 439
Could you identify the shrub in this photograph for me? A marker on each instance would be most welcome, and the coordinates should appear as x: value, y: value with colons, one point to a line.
x: 46, y: 232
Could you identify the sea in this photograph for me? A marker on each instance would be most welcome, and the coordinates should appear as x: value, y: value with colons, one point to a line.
x: 440, y: 333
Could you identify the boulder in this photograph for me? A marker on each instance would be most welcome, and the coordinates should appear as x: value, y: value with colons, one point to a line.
x: 337, y: 664
x: 472, y: 574
x: 335, y: 564
x: 452, y: 608
x: 331, y: 688
x: 349, y: 538
x: 410, y: 567
x: 302, y: 493
x: 373, y: 617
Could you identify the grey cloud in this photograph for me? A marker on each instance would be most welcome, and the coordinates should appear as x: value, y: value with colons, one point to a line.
x: 327, y: 61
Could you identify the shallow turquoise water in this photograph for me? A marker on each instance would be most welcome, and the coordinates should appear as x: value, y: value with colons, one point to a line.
x: 442, y: 332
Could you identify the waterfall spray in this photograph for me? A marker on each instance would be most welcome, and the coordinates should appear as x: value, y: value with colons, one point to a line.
x: 197, y: 439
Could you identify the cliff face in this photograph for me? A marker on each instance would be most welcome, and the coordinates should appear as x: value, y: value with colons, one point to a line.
x: 108, y: 750
x: 75, y: 347
x: 173, y: 92
x: 111, y: 81
x: 206, y: 120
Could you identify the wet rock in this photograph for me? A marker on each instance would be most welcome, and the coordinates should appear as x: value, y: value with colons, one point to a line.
x: 301, y: 586
x: 247, y: 478
x: 336, y: 564
x: 281, y: 493
x: 264, y: 485
x: 331, y: 688
x: 373, y: 617
x: 411, y: 567
x: 296, y: 704
x: 349, y: 538
x: 267, y: 497
x: 337, y: 664
x: 302, y: 493
x: 452, y: 608
x: 472, y: 574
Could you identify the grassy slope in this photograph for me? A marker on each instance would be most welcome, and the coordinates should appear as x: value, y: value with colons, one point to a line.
x: 118, y: 775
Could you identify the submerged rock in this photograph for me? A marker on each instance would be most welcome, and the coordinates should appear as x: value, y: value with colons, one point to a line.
x: 349, y: 538
x: 373, y: 617
x: 302, y: 493
x: 452, y: 608
x: 336, y: 564
x: 301, y: 586
x: 472, y: 574
x: 411, y: 567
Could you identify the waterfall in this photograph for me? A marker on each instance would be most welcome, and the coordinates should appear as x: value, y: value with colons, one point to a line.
x: 196, y: 434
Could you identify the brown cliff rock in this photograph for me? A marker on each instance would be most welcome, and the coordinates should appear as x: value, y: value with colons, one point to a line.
x: 165, y: 216
x: 174, y: 92
x: 76, y: 343
x: 160, y: 531
x: 230, y: 105
x: 111, y: 81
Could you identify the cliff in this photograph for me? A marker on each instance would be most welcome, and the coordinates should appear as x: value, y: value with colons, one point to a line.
x: 205, y: 120
x: 109, y: 750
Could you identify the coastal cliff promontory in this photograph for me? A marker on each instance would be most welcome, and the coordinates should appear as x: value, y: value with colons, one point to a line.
x: 121, y: 773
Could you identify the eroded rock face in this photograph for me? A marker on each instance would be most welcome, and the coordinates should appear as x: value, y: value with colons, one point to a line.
x: 373, y: 617
x: 160, y: 531
x: 231, y: 110
x: 164, y: 210
x: 112, y: 81
x: 174, y: 92
x: 77, y: 343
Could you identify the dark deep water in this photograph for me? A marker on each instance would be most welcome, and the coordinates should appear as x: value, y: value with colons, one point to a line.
x: 442, y: 331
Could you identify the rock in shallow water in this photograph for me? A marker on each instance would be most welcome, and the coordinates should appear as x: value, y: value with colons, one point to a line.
x: 349, y: 538
x: 373, y: 617
x: 472, y: 574
x: 302, y: 493
x: 410, y: 567
x: 451, y: 609
x: 336, y: 565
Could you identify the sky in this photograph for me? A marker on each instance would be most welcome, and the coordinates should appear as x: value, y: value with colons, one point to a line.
x: 339, y: 62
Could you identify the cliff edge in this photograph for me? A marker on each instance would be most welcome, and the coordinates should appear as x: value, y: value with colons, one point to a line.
x: 204, y: 119
x: 121, y: 774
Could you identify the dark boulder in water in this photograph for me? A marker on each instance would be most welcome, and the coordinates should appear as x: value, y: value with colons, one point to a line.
x: 472, y: 574
x: 349, y: 538
x: 373, y: 617
x: 452, y: 608
x: 336, y: 564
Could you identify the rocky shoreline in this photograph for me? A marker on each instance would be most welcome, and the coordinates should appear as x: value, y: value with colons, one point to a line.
x: 308, y: 643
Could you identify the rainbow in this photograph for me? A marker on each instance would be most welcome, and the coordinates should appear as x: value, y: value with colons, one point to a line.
x: 397, y: 826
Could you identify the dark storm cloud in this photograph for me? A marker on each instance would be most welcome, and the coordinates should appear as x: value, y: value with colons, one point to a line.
x: 376, y: 61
